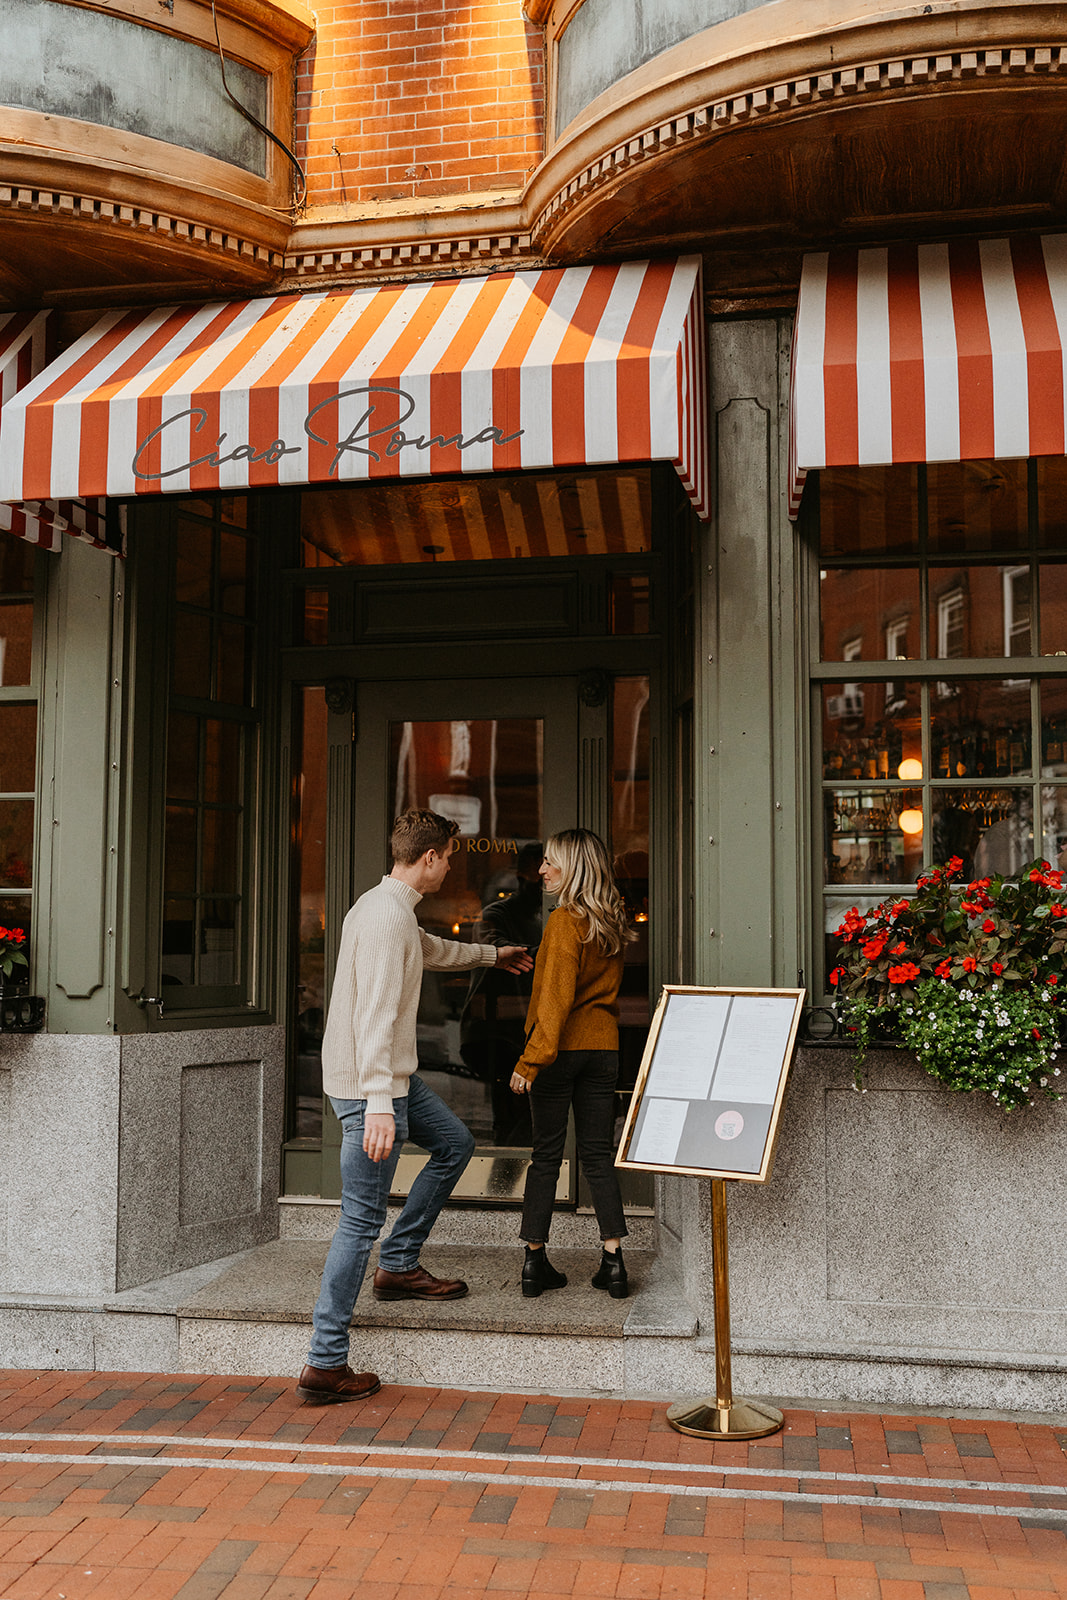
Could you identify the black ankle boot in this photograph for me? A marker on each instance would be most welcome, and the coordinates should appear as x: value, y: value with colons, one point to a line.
x: 538, y: 1273
x: 611, y: 1275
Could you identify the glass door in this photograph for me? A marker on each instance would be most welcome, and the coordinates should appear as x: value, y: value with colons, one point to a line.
x: 500, y: 759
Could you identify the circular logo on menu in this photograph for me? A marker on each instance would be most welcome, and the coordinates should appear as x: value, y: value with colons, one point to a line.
x: 729, y: 1124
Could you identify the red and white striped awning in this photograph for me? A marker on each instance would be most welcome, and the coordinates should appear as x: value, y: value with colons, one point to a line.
x: 23, y: 354
x: 573, y: 366
x: 930, y: 352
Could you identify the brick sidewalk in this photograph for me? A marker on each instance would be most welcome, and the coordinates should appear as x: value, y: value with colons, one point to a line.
x: 121, y: 1486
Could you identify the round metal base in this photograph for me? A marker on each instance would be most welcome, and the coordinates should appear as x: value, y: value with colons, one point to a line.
x: 743, y: 1419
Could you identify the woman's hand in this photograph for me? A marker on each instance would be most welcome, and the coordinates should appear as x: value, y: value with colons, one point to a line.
x: 519, y: 1084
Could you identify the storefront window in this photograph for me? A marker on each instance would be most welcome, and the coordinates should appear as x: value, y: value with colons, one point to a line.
x: 18, y: 735
x: 964, y: 753
x: 211, y: 748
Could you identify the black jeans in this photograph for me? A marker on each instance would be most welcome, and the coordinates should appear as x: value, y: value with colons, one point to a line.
x: 586, y: 1080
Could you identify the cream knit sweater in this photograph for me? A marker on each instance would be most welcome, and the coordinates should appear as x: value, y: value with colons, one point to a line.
x: 368, y: 1048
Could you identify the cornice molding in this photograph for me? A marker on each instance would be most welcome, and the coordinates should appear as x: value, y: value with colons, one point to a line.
x: 348, y: 263
x: 890, y: 78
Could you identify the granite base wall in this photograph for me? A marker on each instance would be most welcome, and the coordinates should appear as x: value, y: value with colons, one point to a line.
x: 125, y: 1159
x: 908, y: 1239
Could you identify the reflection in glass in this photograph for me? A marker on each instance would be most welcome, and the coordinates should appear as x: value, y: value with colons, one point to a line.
x: 183, y: 743
x: 600, y: 512
x: 16, y: 642
x: 18, y: 749
x: 981, y: 729
x: 869, y: 729
x: 312, y: 620
x: 868, y: 511
x: 1054, y: 824
x: 863, y: 837
x: 221, y: 865
x: 991, y: 830
x: 876, y: 606
x: 16, y: 844
x: 222, y: 760
x: 234, y: 552
x: 180, y: 868
x: 486, y: 776
x: 192, y: 578
x: 309, y: 866
x: 977, y: 505
x: 1052, y: 502
x: 1054, y: 728
x: 234, y: 663
x: 630, y: 601
x: 979, y: 611
x: 1052, y: 579
x: 191, y: 670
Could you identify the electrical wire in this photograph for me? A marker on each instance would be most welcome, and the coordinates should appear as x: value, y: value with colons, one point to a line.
x: 254, y: 120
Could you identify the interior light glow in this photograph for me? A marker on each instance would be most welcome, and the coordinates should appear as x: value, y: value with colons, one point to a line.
x: 911, y: 821
x: 910, y: 769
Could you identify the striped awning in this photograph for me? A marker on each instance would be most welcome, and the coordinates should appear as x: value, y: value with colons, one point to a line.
x: 23, y: 354
x: 930, y: 352
x: 566, y: 367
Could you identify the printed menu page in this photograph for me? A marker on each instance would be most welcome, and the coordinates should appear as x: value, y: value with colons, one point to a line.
x: 688, y: 1044
x: 750, y: 1061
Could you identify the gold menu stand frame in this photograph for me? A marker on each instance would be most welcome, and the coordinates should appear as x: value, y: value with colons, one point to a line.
x: 721, y: 1417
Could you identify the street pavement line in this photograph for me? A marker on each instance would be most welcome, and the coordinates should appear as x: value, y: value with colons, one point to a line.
x: 126, y: 1440
x: 609, y: 1485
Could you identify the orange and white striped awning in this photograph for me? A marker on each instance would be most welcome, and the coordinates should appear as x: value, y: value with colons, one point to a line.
x: 566, y: 367
x: 23, y: 354
x: 930, y: 352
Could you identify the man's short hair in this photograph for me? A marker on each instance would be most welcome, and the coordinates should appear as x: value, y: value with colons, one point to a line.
x: 415, y: 832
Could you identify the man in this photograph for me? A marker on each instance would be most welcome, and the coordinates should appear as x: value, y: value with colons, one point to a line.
x: 369, y: 1063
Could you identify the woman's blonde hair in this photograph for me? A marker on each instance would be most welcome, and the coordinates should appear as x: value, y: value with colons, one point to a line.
x: 588, y: 887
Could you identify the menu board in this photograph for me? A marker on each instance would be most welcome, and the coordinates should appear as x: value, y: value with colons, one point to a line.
x: 711, y: 1083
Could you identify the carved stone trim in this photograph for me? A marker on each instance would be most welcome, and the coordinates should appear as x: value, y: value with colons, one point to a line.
x: 86, y: 208
x: 473, y: 253
x: 836, y: 84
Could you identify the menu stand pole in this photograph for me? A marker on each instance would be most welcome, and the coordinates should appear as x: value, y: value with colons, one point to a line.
x: 724, y: 1417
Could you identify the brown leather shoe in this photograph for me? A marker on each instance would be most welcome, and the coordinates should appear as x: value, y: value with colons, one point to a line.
x: 418, y: 1284
x: 326, y: 1386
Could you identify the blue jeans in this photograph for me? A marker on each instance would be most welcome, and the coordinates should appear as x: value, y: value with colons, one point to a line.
x: 422, y: 1117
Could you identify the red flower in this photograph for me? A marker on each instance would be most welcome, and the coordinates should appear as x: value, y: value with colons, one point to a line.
x: 1036, y: 1032
x: 898, y: 906
x: 1058, y: 910
x: 904, y: 973
x: 996, y: 967
x: 989, y: 926
x: 944, y: 968
x: 971, y: 907
x: 969, y: 963
x: 898, y: 949
x: 874, y: 947
x: 954, y: 866
x: 835, y: 976
x: 1053, y: 980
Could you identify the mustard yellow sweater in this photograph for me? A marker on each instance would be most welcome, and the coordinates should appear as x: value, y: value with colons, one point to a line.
x: 573, y: 1005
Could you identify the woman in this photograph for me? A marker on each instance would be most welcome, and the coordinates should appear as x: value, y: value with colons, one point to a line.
x: 572, y: 1052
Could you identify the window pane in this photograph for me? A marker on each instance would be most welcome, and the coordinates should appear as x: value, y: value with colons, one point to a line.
x: 868, y: 613
x: 179, y: 850
x: 220, y: 867
x: 218, y: 946
x: 312, y: 616
x: 16, y: 641
x: 183, y: 747
x: 222, y: 761
x: 1052, y: 502
x: 309, y: 846
x: 192, y: 578
x: 16, y: 844
x: 16, y: 911
x: 1054, y: 728
x: 1054, y: 824
x: 869, y: 729
x: 235, y: 663
x: 990, y: 829
x: 191, y: 674
x: 630, y: 773
x: 1052, y: 578
x: 980, y: 729
x: 478, y: 519
x: 18, y: 749
x: 17, y: 561
x: 631, y: 602
x: 834, y: 908
x: 977, y: 505
x: 979, y: 611
x: 864, y: 839
x: 234, y: 595
x: 869, y: 511
x: 179, y: 922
